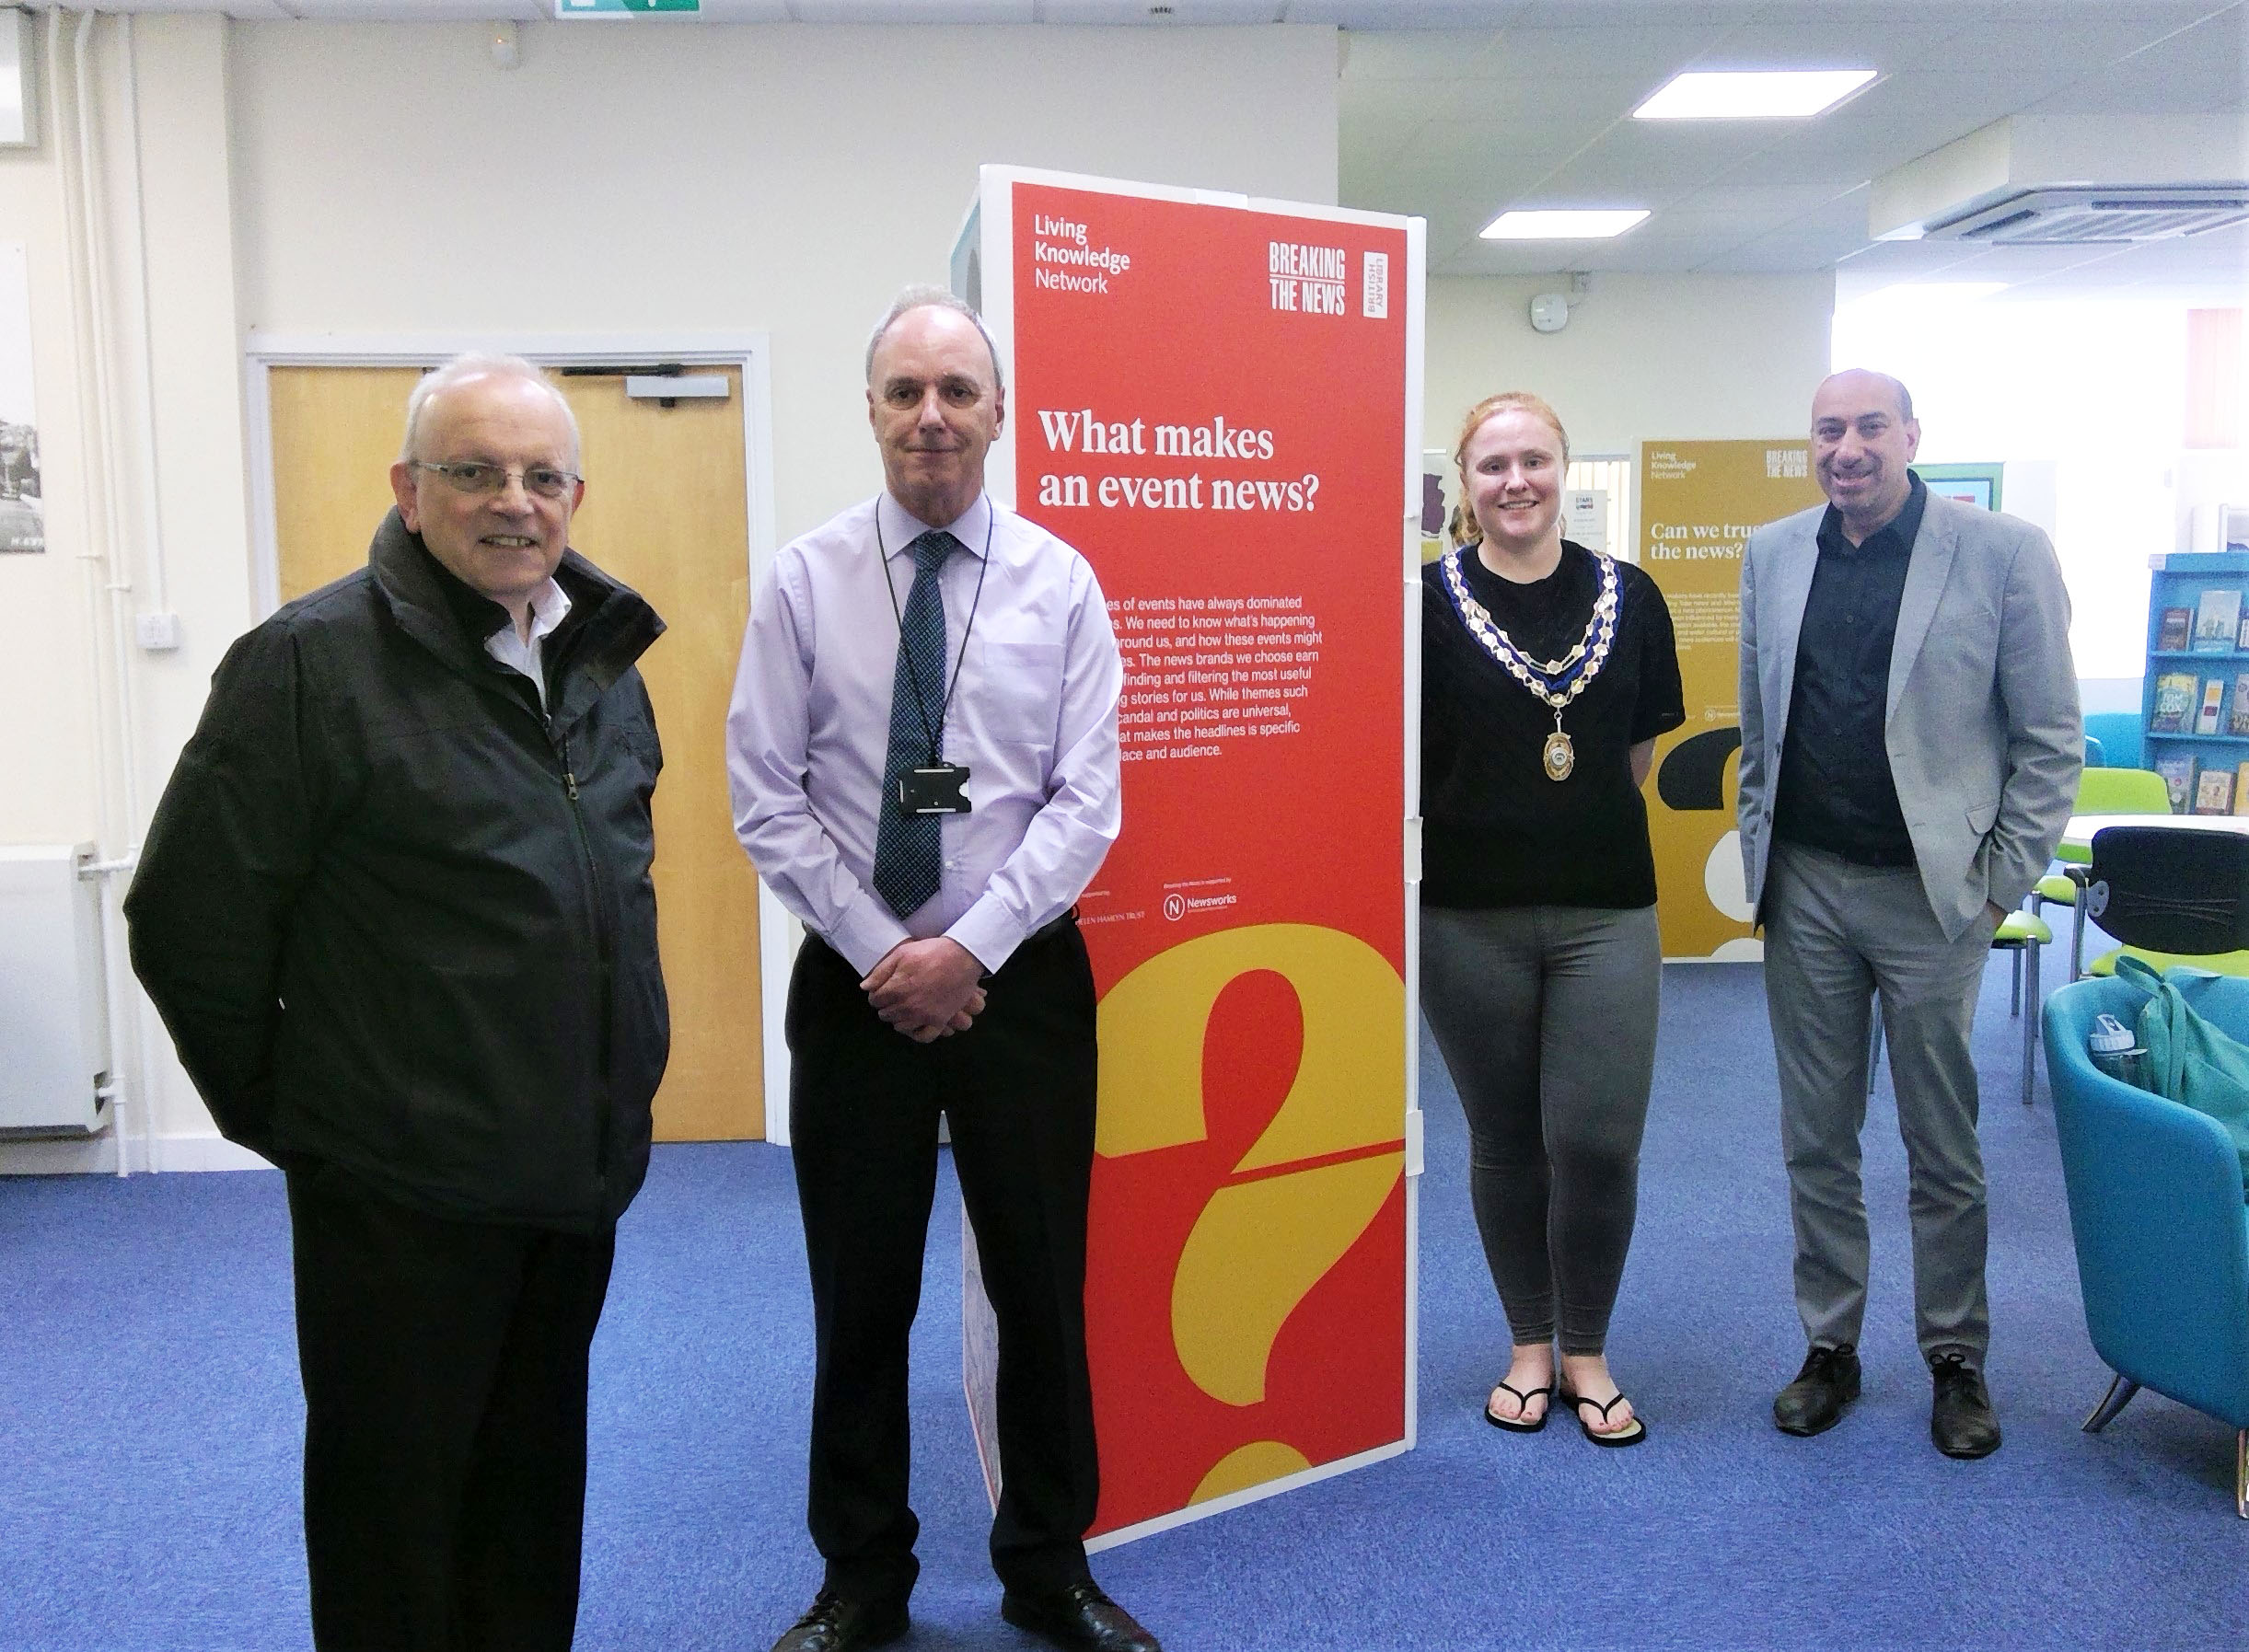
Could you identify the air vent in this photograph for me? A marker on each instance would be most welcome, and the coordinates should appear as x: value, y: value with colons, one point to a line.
x: 2080, y: 215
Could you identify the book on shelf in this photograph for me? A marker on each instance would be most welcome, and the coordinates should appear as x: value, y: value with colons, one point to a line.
x: 2240, y: 790
x: 2178, y: 774
x: 2217, y: 621
x: 2213, y: 703
x: 2239, y: 722
x: 2176, y: 631
x: 2174, y: 696
x: 2241, y: 641
x: 2214, y: 793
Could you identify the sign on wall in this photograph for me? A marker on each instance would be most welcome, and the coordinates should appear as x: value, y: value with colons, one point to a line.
x: 1214, y: 398
x: 1977, y: 486
x: 1699, y: 502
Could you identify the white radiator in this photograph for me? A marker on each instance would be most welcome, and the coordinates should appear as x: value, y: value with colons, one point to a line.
x: 54, y: 1021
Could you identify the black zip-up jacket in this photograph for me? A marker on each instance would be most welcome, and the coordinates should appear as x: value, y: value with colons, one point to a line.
x: 400, y: 921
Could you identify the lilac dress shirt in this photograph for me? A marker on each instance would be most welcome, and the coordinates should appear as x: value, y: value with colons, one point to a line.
x: 1033, y: 715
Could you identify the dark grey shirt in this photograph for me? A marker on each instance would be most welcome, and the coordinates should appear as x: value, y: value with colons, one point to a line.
x: 1836, y: 792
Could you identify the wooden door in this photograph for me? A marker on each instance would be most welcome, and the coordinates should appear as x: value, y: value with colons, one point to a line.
x: 666, y: 513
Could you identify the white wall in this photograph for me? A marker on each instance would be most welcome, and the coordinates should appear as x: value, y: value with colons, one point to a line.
x: 1644, y: 357
x: 48, y: 744
x: 777, y: 177
x: 141, y: 448
x: 372, y: 179
x: 2084, y: 403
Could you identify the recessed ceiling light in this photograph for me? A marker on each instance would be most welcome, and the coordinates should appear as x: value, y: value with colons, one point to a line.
x: 1752, y: 94
x: 1563, y: 224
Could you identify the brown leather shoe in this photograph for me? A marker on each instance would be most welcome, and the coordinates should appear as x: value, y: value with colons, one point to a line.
x: 1080, y: 1617
x: 836, y: 1623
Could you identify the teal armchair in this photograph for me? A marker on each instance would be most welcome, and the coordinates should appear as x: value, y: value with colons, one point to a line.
x: 2157, y: 1212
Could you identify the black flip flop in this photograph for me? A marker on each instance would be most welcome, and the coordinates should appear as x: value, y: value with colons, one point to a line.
x: 1631, y: 1436
x: 1515, y: 1425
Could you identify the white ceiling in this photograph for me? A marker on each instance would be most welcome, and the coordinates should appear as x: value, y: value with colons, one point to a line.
x: 1459, y: 125
x: 1457, y: 109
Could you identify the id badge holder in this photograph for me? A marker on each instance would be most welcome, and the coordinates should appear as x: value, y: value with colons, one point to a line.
x: 938, y: 789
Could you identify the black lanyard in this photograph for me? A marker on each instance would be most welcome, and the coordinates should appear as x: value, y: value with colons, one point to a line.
x: 913, y: 674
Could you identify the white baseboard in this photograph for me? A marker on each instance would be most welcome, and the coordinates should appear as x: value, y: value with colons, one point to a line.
x: 205, y: 1152
x: 96, y: 1155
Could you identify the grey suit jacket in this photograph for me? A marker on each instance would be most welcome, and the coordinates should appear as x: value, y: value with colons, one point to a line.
x: 1982, y: 731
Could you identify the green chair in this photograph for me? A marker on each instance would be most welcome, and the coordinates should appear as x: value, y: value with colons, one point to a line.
x: 2021, y: 934
x: 2218, y: 963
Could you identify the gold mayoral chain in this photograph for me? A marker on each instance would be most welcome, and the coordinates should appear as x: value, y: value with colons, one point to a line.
x: 1580, y: 665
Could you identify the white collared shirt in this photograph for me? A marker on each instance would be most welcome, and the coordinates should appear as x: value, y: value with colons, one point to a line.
x: 549, y: 607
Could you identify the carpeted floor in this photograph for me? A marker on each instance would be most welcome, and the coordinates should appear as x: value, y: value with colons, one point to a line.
x: 149, y: 1419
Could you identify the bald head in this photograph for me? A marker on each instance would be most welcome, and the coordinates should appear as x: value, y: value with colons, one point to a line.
x: 1867, y: 379
x: 1863, y: 438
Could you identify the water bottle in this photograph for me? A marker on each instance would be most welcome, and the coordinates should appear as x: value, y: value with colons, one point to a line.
x: 2115, y: 1049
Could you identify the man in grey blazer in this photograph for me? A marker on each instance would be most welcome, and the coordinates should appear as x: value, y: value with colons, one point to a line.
x: 1910, y: 747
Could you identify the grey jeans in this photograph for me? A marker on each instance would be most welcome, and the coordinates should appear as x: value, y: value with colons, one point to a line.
x: 1546, y: 1018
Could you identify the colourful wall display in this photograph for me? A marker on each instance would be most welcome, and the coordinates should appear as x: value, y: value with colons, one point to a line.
x: 1214, y: 399
x: 1699, y: 502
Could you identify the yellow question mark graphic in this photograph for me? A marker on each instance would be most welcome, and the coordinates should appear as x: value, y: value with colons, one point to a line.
x: 1260, y: 1246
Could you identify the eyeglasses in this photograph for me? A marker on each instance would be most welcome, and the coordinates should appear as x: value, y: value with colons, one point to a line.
x: 475, y: 476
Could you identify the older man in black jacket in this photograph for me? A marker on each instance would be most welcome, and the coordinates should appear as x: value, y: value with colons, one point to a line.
x: 395, y: 908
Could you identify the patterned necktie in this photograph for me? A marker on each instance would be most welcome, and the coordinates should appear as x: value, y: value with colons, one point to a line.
x: 906, y: 846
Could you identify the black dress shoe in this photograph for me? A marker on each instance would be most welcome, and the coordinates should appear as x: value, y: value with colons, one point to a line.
x: 1960, y: 1417
x: 1814, y: 1401
x: 838, y: 1623
x: 1079, y: 1616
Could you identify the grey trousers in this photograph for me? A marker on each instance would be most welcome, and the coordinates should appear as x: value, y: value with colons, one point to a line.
x: 1546, y: 1018
x: 1838, y: 936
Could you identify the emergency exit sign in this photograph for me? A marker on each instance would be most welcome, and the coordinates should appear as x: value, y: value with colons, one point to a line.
x: 596, y: 8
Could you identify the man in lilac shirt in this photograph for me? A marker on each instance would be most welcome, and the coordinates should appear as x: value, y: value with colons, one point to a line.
x: 924, y: 755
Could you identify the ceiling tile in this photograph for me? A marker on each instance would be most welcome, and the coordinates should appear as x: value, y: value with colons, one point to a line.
x: 1184, y: 13
x: 1650, y: 160
x: 425, y: 11
x: 1435, y: 55
x: 2072, y: 43
x: 1404, y: 15
x: 1374, y: 140
x: 1769, y: 201
x: 928, y: 11
x: 2204, y: 71
x: 1644, y: 54
x: 1842, y: 40
x: 1575, y: 104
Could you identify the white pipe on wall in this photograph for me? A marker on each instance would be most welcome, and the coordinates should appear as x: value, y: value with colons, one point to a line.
x: 151, y: 492
x: 107, y: 586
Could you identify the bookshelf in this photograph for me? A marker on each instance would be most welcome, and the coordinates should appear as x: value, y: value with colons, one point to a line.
x: 2194, y: 701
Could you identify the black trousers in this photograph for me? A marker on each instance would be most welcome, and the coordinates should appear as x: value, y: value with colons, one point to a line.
x: 863, y: 1106
x: 444, y: 1372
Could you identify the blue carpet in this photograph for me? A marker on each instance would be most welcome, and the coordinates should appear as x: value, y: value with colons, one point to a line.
x: 149, y: 1419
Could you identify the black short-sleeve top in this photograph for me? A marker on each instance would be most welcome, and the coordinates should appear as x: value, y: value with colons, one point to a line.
x: 1496, y: 831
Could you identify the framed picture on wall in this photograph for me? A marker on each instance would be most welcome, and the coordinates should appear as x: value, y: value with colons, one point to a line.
x: 1976, y: 485
x: 23, y: 519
